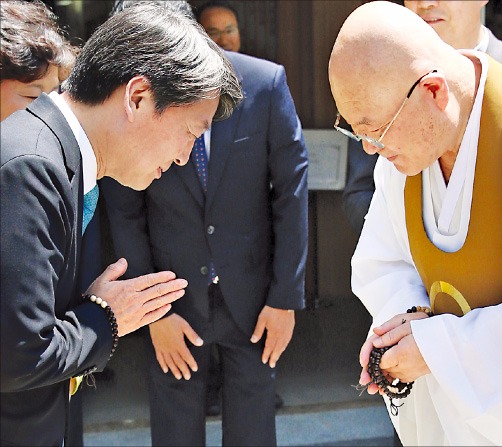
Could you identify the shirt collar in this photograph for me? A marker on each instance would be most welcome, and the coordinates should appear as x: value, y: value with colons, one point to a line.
x: 89, y: 163
x: 483, y: 44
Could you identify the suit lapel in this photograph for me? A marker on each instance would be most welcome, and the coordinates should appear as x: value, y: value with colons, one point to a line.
x: 222, y: 136
x: 45, y: 110
x: 188, y: 175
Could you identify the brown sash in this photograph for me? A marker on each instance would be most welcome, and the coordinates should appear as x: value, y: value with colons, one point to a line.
x: 472, y: 276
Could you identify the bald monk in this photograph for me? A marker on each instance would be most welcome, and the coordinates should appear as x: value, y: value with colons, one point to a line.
x: 433, y: 237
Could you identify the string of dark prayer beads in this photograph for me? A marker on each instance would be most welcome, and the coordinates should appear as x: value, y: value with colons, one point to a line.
x: 394, y: 390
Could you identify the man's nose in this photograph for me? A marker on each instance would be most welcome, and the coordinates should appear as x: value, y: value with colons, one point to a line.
x: 427, y: 4
x: 219, y: 39
x: 224, y: 41
x: 183, y: 160
x: 370, y: 148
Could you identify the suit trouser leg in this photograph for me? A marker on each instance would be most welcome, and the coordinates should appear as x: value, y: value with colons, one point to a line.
x: 177, y: 407
x: 248, y: 417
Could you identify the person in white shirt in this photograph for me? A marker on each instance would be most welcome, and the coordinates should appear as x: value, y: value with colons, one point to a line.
x: 459, y: 24
x: 431, y: 240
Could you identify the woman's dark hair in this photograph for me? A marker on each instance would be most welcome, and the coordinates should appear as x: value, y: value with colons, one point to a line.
x: 171, y: 50
x: 31, y: 41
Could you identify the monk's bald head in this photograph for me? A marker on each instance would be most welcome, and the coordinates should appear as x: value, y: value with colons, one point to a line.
x: 381, y: 47
x: 381, y: 52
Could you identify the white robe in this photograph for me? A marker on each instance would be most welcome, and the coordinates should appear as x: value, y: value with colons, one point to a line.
x: 460, y: 402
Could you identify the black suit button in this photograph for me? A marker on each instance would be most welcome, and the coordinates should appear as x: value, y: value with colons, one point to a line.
x: 204, y: 270
x: 210, y: 229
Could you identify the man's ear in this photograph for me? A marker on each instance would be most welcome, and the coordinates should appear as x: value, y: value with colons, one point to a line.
x: 137, y: 94
x: 436, y: 84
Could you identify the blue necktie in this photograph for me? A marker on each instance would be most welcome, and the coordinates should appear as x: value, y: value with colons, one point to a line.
x: 199, y: 158
x: 90, y: 202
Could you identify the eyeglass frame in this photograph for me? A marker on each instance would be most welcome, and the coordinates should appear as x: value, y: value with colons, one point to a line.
x: 214, y: 33
x: 374, y: 142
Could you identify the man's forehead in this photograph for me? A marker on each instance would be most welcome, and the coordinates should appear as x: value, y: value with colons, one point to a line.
x: 218, y: 12
x: 358, y: 110
x: 363, y: 101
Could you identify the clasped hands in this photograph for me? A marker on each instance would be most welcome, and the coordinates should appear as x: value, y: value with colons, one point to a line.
x: 169, y: 340
x: 138, y: 301
x: 403, y: 361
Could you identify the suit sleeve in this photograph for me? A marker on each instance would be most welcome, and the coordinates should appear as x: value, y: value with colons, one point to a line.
x: 288, y: 164
x: 42, y: 343
x: 127, y: 214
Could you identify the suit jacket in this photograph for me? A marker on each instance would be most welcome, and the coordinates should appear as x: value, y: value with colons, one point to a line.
x: 253, y: 220
x: 360, y: 186
x: 47, y: 334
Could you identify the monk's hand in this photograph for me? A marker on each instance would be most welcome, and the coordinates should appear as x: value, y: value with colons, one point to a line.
x: 279, y: 324
x: 168, y: 338
x: 138, y: 301
x: 364, y: 358
x: 393, y: 332
x: 403, y: 360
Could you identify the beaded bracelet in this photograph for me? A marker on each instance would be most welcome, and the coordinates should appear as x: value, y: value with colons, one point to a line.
x: 395, y: 389
x: 427, y: 310
x: 111, y: 318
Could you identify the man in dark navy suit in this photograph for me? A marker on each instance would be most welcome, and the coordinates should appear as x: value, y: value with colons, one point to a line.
x: 236, y: 227
x: 221, y: 22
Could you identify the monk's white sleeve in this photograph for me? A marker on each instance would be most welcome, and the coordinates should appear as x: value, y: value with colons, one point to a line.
x: 384, y: 277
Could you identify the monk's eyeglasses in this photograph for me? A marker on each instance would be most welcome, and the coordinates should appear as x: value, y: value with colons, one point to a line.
x: 378, y: 142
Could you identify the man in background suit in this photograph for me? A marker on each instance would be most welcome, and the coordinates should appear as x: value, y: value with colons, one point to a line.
x: 52, y: 153
x: 239, y: 235
x: 221, y: 23
x: 458, y: 23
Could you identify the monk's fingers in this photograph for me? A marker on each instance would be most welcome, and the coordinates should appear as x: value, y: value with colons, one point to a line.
x: 366, y: 348
x: 393, y: 336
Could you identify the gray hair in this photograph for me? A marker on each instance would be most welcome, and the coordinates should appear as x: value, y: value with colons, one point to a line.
x: 182, y: 64
x: 174, y: 5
